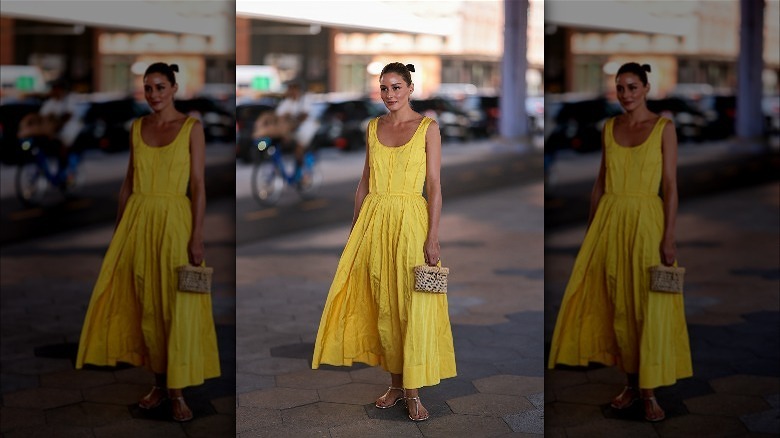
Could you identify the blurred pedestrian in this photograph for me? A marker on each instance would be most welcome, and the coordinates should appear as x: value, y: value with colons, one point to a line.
x: 137, y: 315
x: 373, y: 314
x: 292, y: 112
x: 608, y: 314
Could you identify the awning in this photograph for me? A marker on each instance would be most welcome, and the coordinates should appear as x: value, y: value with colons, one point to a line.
x: 366, y: 15
x: 194, y: 18
x: 611, y: 16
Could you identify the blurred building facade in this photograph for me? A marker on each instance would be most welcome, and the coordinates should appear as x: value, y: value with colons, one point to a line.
x: 456, y: 42
x: 690, y: 42
x: 105, y: 48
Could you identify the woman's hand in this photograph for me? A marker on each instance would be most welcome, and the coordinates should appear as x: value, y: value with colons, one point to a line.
x: 195, y: 252
x: 432, y: 251
x: 668, y: 251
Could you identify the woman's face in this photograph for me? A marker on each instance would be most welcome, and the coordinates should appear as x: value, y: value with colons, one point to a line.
x: 158, y: 91
x: 395, y: 93
x: 631, y: 92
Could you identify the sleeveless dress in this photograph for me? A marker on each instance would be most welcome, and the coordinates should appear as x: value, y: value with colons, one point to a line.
x: 136, y: 314
x: 608, y: 315
x: 373, y: 314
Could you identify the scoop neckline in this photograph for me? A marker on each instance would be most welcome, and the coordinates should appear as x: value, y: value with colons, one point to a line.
x: 141, y: 137
x: 376, y: 134
x: 649, y: 136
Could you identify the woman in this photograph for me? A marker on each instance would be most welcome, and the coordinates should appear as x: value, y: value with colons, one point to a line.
x: 136, y: 314
x: 608, y: 315
x: 373, y: 314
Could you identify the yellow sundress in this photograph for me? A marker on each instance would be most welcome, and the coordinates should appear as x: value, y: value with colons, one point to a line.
x: 136, y: 314
x: 608, y: 315
x: 373, y: 314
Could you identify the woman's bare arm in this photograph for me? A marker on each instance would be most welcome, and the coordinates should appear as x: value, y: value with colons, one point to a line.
x: 197, y: 192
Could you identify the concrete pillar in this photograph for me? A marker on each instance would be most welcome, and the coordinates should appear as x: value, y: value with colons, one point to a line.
x: 7, y: 41
x: 243, y: 41
x: 513, y: 123
x: 750, y: 65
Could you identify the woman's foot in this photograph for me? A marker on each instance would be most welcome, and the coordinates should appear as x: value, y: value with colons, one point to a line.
x: 625, y: 399
x: 417, y: 411
x: 653, y: 411
x: 390, y: 398
x: 181, y: 412
x: 152, y: 400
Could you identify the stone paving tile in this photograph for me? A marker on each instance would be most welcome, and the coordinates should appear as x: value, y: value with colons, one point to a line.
x: 278, y: 398
x: 313, y: 379
x: 531, y: 422
x: 746, y: 385
x: 225, y: 405
x: 352, y: 393
x: 140, y: 428
x: 376, y: 429
x: 250, y: 418
x: 211, y: 426
x: 41, y: 398
x: 87, y: 414
x: 613, y: 428
x: 49, y: 431
x: 700, y: 425
x: 116, y: 393
x: 763, y: 422
x: 610, y: 375
x: 272, y: 366
x: 490, y: 405
x: 773, y: 400
x: 137, y: 375
x: 17, y: 382
x: 510, y: 385
x: 323, y: 414
x: 464, y: 426
x: 561, y: 414
x: 17, y: 418
x: 287, y: 431
x: 726, y: 405
x: 370, y: 375
x: 564, y: 378
x: 536, y: 399
x: 246, y: 382
x: 589, y: 393
x: 77, y: 379
x: 36, y: 365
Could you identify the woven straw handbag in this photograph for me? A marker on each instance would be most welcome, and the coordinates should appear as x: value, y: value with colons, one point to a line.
x: 431, y: 279
x: 667, y: 279
x: 195, y: 278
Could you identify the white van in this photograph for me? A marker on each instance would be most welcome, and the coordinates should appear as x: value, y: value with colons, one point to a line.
x: 18, y: 80
x: 252, y: 80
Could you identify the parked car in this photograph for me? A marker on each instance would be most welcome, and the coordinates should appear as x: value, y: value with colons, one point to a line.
x: 218, y: 122
x: 106, y: 124
x: 720, y: 113
x: 689, y: 121
x: 578, y: 124
x: 482, y: 112
x: 453, y: 122
x: 343, y: 124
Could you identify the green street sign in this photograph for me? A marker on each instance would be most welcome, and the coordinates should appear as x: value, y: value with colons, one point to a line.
x: 261, y: 83
x: 25, y: 83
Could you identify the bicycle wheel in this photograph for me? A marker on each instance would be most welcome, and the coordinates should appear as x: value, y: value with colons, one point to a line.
x: 75, y: 178
x: 31, y: 184
x: 267, y: 184
x: 310, y: 182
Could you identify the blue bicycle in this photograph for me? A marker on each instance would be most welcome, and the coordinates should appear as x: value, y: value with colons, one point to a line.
x: 35, y: 176
x: 269, y: 176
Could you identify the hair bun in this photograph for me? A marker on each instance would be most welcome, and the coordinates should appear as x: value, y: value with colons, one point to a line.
x: 646, y: 67
x: 410, y: 67
x: 174, y: 67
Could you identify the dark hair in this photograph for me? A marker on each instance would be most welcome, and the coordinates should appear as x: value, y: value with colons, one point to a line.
x: 403, y: 70
x: 632, y: 67
x: 163, y: 69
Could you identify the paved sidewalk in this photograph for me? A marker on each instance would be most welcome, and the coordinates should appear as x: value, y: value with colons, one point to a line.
x: 729, y: 245
x: 45, y: 286
x: 492, y: 244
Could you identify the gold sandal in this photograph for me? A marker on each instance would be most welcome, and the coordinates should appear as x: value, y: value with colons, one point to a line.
x: 622, y: 396
x: 416, y: 409
x: 147, y: 404
x: 180, y: 400
x: 386, y: 394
